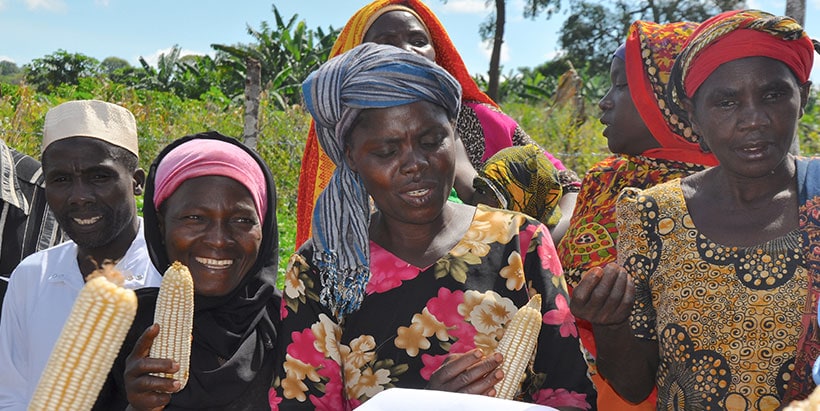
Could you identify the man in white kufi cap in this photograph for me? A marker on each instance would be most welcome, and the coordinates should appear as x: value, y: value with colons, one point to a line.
x: 92, y: 175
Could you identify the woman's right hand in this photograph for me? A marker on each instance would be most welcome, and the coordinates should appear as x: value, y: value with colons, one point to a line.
x: 469, y: 372
x: 145, y: 391
x: 604, y: 296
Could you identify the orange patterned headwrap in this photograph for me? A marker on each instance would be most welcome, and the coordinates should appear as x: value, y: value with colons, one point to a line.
x: 651, y: 49
x: 735, y: 35
x: 316, y: 166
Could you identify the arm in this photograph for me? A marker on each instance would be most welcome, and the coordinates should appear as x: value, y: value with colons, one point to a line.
x: 604, y: 297
x: 567, y: 206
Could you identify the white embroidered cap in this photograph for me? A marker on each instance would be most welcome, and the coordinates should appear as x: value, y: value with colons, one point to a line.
x: 91, y: 118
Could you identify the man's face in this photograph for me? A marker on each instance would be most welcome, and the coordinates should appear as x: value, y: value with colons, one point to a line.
x: 90, y: 192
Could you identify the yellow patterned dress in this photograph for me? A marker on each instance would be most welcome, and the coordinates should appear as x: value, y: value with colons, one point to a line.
x: 727, y: 319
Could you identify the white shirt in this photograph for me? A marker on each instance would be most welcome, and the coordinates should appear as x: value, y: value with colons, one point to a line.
x: 39, y: 299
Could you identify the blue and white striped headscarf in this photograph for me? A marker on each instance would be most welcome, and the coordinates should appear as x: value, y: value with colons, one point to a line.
x: 368, y: 76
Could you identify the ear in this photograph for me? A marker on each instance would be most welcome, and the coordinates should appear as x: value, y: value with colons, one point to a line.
x: 689, y: 106
x: 139, y: 181
x: 805, y: 88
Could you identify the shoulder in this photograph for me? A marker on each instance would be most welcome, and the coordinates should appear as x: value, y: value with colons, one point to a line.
x: 27, y: 168
x: 55, y: 256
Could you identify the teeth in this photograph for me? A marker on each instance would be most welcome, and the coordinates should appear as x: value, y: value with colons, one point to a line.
x: 210, y: 262
x: 418, y: 193
x: 87, y: 221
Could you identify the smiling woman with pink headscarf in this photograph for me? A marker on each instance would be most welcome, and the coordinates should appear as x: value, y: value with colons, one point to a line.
x: 210, y: 203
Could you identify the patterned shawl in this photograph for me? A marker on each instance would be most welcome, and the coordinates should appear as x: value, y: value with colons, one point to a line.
x: 368, y: 76
x: 525, y: 180
x: 650, y: 52
x: 316, y: 166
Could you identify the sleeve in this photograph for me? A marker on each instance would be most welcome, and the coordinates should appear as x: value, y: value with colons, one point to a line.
x: 560, y: 370
x: 14, y: 384
x: 634, y: 243
x: 308, y: 372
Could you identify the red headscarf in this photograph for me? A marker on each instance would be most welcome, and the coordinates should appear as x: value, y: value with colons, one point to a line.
x: 737, y: 34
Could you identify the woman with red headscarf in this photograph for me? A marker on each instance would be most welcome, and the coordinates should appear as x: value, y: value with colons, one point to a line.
x: 483, y: 128
x: 713, y: 302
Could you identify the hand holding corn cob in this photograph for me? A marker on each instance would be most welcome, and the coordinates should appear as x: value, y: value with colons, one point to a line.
x: 88, y: 344
x: 159, y: 363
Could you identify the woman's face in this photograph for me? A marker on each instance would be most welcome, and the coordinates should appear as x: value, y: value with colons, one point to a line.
x: 403, y: 30
x: 405, y: 156
x: 747, y: 112
x: 625, y: 131
x: 210, y: 224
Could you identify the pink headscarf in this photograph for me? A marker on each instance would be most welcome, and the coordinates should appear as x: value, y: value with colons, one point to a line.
x: 197, y: 158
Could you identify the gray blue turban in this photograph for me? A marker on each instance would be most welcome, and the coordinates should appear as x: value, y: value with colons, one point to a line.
x: 368, y: 76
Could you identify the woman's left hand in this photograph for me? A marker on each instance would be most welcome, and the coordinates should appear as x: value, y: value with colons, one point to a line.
x: 469, y: 372
x: 146, y: 391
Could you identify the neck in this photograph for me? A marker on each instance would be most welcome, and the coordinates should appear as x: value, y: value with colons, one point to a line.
x: 746, y: 192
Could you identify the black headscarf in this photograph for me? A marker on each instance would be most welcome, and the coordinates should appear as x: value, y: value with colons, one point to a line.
x: 233, y: 335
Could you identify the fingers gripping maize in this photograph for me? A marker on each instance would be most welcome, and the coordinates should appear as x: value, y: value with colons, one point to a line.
x: 175, y: 315
x: 518, y: 347
x: 88, y: 344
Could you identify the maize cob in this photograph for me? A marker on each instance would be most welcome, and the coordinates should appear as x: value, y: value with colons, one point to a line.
x: 518, y: 347
x: 175, y: 315
x: 88, y: 344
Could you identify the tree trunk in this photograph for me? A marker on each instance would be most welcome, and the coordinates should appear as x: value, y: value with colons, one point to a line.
x: 796, y: 9
x: 495, y: 58
x: 253, y: 89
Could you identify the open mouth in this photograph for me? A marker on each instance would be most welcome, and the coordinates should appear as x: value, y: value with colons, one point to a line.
x: 418, y: 193
x: 86, y: 221
x: 214, y: 264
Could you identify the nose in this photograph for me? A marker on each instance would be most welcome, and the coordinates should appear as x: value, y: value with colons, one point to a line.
x: 414, y: 162
x: 217, y: 234
x: 605, y: 103
x: 80, y: 193
x: 754, y: 116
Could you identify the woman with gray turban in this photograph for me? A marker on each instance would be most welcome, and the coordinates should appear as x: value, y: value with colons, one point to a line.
x: 411, y: 291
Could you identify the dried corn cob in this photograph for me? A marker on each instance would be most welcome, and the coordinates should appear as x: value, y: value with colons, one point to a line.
x: 518, y: 347
x: 88, y: 344
x: 175, y: 315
